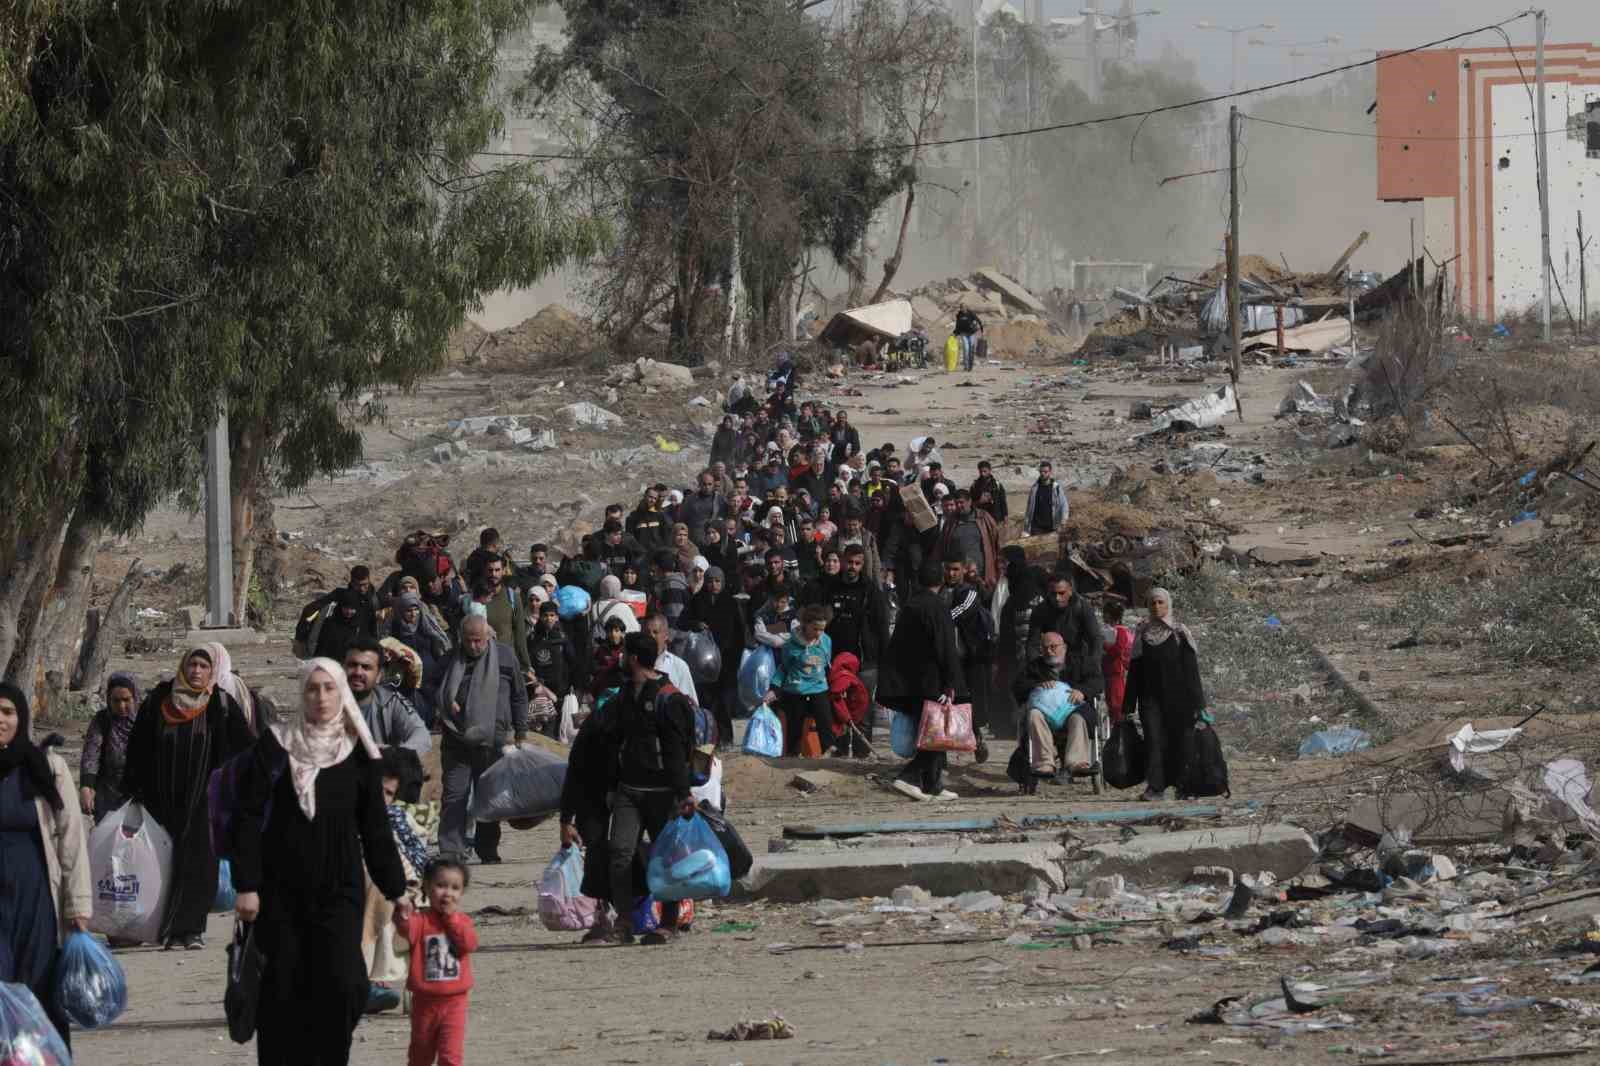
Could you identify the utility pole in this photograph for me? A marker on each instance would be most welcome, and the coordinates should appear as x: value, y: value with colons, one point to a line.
x: 1541, y: 22
x: 1091, y: 29
x: 1235, y: 312
x: 977, y: 145
x: 219, y: 531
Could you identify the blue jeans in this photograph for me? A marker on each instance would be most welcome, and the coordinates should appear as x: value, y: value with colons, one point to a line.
x: 969, y: 350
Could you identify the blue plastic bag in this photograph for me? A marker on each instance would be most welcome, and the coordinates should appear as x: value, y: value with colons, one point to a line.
x: 26, y: 1034
x: 755, y: 676
x: 571, y: 601
x: 1340, y: 740
x: 90, y: 986
x: 903, y: 735
x: 645, y: 916
x: 687, y: 861
x: 226, y: 896
x: 1054, y: 702
x: 764, y: 735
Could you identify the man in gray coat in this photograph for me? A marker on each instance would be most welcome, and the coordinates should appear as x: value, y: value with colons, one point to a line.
x: 1047, y: 503
x: 483, y: 711
x: 390, y: 718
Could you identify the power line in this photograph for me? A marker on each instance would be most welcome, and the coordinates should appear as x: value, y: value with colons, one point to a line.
x: 1060, y: 127
x: 1396, y: 136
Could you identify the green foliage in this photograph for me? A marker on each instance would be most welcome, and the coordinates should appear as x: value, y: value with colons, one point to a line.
x: 259, y: 201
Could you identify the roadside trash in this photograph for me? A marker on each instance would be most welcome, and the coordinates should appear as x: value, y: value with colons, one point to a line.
x: 1527, y: 479
x: 1525, y: 516
x: 90, y: 985
x: 668, y: 446
x: 1501, y: 330
x: 1340, y: 740
x: 1468, y: 743
x: 1273, y: 622
x: 774, y: 1028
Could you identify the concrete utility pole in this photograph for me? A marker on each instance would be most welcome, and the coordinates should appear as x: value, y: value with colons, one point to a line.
x: 1541, y: 22
x: 977, y: 131
x: 219, y: 532
x: 1235, y: 312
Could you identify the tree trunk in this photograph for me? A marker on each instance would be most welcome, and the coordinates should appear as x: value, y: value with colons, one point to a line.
x: 246, y: 482
x: 732, y: 339
x: 52, y: 651
x: 99, y: 639
x: 28, y: 556
x: 892, y: 264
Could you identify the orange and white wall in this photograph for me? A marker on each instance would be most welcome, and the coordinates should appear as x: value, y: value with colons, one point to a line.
x: 1456, y: 132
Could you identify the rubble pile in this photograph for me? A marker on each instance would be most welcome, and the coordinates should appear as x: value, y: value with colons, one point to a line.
x: 554, y: 332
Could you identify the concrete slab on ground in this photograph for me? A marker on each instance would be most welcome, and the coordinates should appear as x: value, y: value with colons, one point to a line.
x: 1169, y: 858
x: 944, y: 871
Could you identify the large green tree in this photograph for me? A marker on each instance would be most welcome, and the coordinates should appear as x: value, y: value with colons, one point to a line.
x: 269, y: 204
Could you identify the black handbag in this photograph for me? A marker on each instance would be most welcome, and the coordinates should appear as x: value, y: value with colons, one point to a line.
x: 1122, y: 758
x: 245, y: 967
x: 739, y: 858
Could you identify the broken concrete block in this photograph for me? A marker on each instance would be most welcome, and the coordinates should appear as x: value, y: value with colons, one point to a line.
x: 442, y: 453
x: 657, y: 375
x: 926, y: 311
x: 943, y: 871
x: 584, y: 413
x: 1283, y: 850
x: 815, y: 780
x: 519, y: 436
x: 1342, y: 436
x: 912, y: 896
x: 460, y: 448
x: 1104, y: 887
x: 543, y: 442
x: 978, y: 902
x: 1012, y: 291
x: 192, y: 617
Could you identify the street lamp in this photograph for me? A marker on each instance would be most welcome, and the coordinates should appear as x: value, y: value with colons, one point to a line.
x: 1091, y: 31
x: 1235, y: 31
x: 1332, y: 38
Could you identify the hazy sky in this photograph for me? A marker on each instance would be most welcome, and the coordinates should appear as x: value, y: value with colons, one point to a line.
x: 1362, y: 23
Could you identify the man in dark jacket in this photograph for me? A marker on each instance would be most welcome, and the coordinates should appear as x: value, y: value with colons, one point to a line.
x: 343, y: 621
x: 655, y: 732
x: 483, y: 709
x: 976, y: 647
x: 724, y: 442
x: 922, y: 665
x: 707, y: 505
x: 860, y: 622
x: 844, y: 437
x: 1069, y: 614
x: 648, y: 525
x: 988, y: 494
x: 550, y: 652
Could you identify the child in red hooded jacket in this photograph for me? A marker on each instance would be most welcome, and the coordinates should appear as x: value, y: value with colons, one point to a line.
x: 851, y: 704
x: 442, y: 941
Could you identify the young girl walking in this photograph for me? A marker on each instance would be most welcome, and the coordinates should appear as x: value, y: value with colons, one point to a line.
x: 442, y: 941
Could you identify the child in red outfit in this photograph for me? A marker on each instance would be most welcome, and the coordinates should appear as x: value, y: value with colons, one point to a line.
x: 442, y: 941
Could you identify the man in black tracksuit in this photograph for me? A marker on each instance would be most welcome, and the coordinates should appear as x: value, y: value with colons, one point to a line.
x: 860, y: 624
x: 976, y: 648
x: 655, y: 738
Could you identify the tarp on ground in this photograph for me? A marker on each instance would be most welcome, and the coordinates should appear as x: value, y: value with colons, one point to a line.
x: 884, y: 321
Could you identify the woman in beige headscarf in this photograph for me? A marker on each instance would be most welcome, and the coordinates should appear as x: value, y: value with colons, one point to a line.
x: 311, y: 815
x: 185, y: 729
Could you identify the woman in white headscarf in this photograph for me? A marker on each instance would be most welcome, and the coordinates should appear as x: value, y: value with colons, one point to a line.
x: 311, y: 814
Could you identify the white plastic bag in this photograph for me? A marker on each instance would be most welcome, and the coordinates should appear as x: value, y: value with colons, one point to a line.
x: 562, y: 904
x: 711, y: 791
x: 569, y: 716
x: 130, y: 860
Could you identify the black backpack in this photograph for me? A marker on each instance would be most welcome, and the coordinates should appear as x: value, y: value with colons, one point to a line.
x: 1122, y: 760
x: 1205, y: 771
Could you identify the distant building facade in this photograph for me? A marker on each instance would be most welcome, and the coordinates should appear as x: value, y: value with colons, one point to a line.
x: 1456, y: 132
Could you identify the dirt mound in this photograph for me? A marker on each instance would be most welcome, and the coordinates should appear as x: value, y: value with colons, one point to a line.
x: 554, y: 331
x: 1249, y: 266
x: 465, y: 343
x: 1025, y: 337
